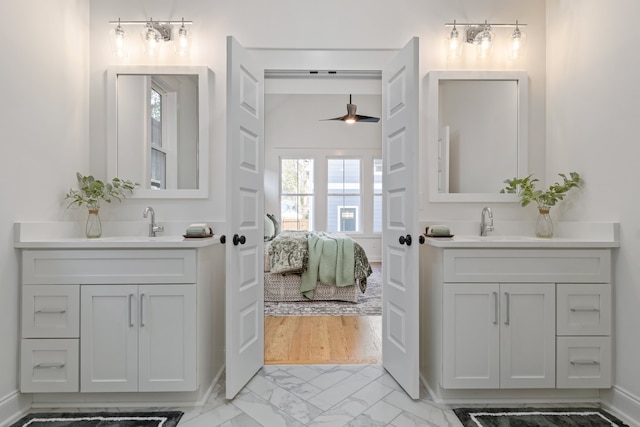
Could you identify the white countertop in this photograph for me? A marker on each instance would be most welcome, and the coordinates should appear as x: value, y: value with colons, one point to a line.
x: 119, y: 242
x: 523, y: 242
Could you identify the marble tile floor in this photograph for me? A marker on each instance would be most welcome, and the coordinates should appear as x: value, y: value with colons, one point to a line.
x: 318, y: 395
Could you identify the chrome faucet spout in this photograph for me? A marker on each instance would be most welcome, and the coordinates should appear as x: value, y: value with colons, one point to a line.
x: 484, y: 226
x: 153, y: 227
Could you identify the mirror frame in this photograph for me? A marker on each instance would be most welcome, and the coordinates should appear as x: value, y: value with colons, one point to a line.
x: 202, y: 192
x: 433, y: 119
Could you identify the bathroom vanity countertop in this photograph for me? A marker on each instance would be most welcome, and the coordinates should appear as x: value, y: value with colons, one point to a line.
x: 119, y: 242
x: 523, y: 242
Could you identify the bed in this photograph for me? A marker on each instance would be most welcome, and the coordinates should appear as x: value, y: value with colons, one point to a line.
x: 314, y: 266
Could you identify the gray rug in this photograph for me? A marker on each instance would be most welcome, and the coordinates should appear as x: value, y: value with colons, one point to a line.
x: 369, y: 303
x: 101, y: 419
x: 536, y: 417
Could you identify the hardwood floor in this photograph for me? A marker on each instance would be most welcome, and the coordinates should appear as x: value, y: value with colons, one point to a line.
x: 322, y: 340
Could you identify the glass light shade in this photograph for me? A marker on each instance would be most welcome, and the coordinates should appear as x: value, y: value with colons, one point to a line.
x: 151, y: 39
x: 183, y: 42
x: 119, y: 42
x: 516, y: 44
x: 484, y: 43
x: 453, y: 44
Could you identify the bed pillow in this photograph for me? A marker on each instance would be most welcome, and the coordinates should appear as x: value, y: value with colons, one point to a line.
x: 269, y: 229
x: 276, y: 224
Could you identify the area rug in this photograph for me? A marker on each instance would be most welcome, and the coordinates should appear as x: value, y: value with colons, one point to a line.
x: 101, y: 419
x: 369, y: 303
x: 536, y: 417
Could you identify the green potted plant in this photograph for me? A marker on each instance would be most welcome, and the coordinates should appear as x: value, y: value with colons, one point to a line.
x: 92, y: 192
x: 525, y: 188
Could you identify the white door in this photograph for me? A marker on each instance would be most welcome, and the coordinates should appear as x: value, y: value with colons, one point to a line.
x: 167, y: 338
x: 471, y: 336
x: 245, y: 211
x: 109, y: 338
x: 400, y: 352
x: 528, y: 336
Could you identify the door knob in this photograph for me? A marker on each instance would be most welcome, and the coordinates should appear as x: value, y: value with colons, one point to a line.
x: 239, y: 239
x: 405, y: 240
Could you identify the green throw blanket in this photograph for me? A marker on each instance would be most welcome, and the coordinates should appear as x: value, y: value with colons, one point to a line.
x: 331, y: 261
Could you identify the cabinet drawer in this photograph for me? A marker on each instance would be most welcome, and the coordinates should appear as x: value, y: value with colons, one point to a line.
x: 50, y: 311
x: 49, y: 365
x: 527, y: 265
x: 584, y: 362
x: 113, y: 266
x: 584, y: 309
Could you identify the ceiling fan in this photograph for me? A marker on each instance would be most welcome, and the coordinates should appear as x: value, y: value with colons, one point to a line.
x: 351, y: 116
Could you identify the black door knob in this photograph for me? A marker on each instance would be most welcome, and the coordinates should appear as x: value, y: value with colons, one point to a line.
x: 405, y: 240
x: 223, y: 239
x: 239, y: 240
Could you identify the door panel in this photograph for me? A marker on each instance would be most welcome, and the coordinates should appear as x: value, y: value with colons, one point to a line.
x: 400, y: 218
x: 245, y: 207
x: 109, y: 338
x: 167, y: 336
x: 528, y: 336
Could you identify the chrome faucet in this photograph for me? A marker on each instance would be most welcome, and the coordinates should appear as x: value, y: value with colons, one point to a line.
x: 153, y: 227
x: 484, y: 226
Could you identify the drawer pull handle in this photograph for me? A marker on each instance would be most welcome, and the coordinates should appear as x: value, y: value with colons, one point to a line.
x: 585, y: 362
x: 49, y: 366
x: 574, y: 309
x: 50, y: 311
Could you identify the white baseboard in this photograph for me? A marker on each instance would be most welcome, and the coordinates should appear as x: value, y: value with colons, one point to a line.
x: 14, y: 406
x: 623, y: 404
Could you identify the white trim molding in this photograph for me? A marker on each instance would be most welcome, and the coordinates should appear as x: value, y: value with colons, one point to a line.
x: 13, y: 406
x: 622, y: 403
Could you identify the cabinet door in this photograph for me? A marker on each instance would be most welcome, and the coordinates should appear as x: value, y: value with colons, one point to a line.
x: 108, y: 338
x: 167, y: 338
x: 471, y: 336
x: 527, y: 335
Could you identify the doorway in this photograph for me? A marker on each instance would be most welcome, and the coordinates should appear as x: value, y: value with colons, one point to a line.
x: 340, y: 192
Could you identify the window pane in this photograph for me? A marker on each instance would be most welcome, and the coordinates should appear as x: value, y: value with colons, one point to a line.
x: 377, y: 195
x: 343, y: 213
x: 343, y: 176
x: 156, y: 118
x: 296, y: 176
x: 158, y: 169
x: 295, y: 212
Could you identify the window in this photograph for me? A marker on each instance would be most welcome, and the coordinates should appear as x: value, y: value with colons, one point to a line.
x: 296, y: 194
x: 377, y: 195
x: 158, y: 149
x: 343, y: 195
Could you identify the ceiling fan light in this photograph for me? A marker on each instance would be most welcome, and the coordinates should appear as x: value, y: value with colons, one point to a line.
x: 350, y: 120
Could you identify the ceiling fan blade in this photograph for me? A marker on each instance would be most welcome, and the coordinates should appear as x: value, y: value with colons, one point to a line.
x: 343, y: 118
x: 367, y: 119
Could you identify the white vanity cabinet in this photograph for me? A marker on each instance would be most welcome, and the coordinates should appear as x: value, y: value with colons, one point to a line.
x: 507, y: 318
x: 106, y: 320
x: 138, y: 338
x: 499, y: 335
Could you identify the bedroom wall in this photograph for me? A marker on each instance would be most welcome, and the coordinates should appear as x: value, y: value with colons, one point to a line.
x: 592, y: 127
x: 293, y: 128
x: 44, y: 127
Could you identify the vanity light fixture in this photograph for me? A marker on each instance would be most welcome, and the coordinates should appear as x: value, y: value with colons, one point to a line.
x: 154, y: 35
x: 483, y: 38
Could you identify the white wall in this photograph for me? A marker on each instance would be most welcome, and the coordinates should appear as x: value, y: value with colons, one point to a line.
x: 331, y: 24
x: 592, y: 126
x: 44, y: 124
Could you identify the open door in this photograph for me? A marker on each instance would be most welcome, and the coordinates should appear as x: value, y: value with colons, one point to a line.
x: 245, y: 210
x: 400, y: 317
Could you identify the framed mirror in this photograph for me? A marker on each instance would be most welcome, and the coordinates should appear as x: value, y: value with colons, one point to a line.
x: 157, y: 129
x: 477, y: 134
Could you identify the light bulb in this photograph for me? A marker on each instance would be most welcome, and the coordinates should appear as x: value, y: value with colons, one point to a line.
x: 119, y: 46
x: 517, y: 43
x: 350, y: 121
x: 183, y: 41
x: 484, y: 42
x: 453, y: 43
x: 151, y: 40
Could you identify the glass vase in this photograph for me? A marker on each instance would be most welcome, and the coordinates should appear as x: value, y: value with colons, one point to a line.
x: 544, y: 225
x: 94, y: 226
